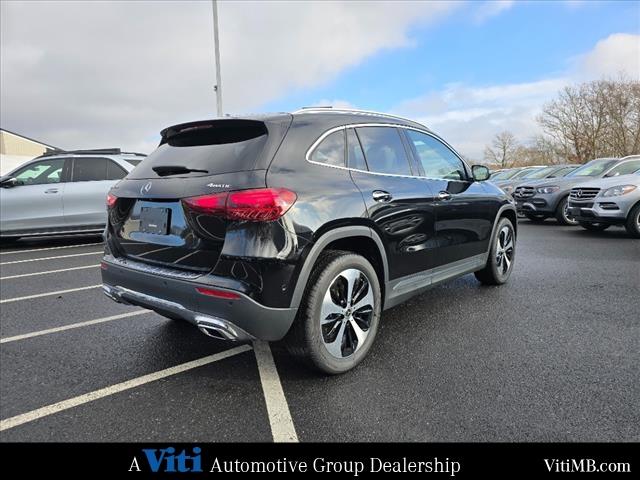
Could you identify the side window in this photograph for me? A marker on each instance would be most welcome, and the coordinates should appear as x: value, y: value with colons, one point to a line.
x: 384, y: 150
x: 354, y: 151
x: 40, y: 173
x: 437, y: 160
x: 115, y: 171
x: 89, y: 169
x: 330, y: 150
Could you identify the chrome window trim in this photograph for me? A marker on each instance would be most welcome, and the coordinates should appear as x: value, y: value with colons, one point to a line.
x: 388, y: 125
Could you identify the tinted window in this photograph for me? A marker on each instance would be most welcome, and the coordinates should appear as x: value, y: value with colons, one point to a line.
x: 331, y: 150
x: 384, y: 150
x: 133, y: 162
x: 89, y: 169
x: 355, y: 154
x: 437, y: 160
x: 115, y: 171
x: 222, y: 147
x: 624, y: 168
x: 40, y: 173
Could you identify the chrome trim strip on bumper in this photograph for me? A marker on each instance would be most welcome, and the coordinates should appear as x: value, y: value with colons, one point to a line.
x: 209, y: 325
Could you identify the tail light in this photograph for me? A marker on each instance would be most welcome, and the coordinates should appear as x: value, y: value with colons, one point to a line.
x: 255, y: 205
x: 111, y: 200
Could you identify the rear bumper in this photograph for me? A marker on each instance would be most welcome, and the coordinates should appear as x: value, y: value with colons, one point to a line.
x: 240, y: 319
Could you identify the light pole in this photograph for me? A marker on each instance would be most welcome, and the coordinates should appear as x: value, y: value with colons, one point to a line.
x: 216, y: 49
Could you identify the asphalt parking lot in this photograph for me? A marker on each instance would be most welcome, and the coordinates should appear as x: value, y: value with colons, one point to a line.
x: 551, y: 356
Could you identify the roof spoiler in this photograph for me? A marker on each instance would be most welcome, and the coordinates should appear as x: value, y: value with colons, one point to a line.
x: 192, y: 127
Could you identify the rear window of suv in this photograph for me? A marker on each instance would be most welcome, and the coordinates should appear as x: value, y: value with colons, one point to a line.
x: 219, y: 147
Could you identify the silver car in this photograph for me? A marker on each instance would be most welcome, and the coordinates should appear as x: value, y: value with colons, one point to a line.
x: 610, y: 201
x: 61, y: 192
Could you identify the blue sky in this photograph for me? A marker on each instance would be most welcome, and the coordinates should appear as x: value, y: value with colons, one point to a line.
x: 88, y: 74
x: 527, y: 41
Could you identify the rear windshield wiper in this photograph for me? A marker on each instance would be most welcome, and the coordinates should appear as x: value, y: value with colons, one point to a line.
x: 164, y: 170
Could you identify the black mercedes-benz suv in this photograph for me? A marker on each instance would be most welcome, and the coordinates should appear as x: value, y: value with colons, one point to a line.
x: 301, y: 227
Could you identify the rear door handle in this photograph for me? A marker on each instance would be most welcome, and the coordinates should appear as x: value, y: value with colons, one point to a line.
x: 51, y: 190
x: 444, y: 195
x: 381, y: 196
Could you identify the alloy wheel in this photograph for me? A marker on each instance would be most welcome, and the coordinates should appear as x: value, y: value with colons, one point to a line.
x: 504, y: 250
x: 347, y: 312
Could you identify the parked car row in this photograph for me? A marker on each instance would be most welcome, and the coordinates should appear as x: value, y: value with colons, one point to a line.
x: 596, y: 195
x: 61, y: 192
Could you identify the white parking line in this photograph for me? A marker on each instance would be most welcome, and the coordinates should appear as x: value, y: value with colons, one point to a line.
x: 49, y: 271
x: 38, y: 295
x: 72, y: 326
x: 282, y: 428
x: 13, y: 252
x: 13, y: 262
x: 120, y: 387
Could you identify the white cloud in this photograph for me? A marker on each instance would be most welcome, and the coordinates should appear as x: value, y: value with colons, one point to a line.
x: 469, y: 116
x: 92, y: 74
x: 618, y: 53
x: 492, y: 8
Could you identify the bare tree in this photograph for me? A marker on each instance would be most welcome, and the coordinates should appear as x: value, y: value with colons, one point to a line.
x: 503, y: 150
x: 595, y: 119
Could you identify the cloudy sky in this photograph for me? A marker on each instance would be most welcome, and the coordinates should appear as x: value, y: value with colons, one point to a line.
x: 99, y: 74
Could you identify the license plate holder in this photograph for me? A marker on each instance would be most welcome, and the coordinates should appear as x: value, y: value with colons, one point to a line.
x: 154, y: 220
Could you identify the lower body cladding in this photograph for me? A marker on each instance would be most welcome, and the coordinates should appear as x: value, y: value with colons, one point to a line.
x: 233, y: 317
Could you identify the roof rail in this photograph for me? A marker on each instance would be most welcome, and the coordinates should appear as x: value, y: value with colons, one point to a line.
x: 325, y: 109
x: 95, y: 151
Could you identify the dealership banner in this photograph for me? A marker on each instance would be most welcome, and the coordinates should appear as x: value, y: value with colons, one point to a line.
x: 457, y: 460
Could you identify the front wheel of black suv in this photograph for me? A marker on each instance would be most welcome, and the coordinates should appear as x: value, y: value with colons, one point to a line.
x: 633, y: 222
x: 339, y: 316
x: 594, y: 227
x: 562, y: 213
x: 502, y: 254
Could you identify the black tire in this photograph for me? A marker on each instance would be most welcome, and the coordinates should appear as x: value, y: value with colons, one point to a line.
x: 494, y: 272
x: 562, y: 214
x: 594, y: 227
x: 535, y: 218
x: 633, y: 222
x: 307, y: 339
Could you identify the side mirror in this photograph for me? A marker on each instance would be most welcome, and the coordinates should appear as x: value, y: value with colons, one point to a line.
x: 480, y: 173
x: 9, y: 182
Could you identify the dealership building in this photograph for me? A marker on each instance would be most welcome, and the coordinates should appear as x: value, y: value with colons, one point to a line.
x: 15, y: 149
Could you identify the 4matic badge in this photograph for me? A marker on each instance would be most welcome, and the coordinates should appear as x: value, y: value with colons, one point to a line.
x: 218, y: 185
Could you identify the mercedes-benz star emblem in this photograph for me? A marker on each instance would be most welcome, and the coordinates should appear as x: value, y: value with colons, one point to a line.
x: 145, y: 188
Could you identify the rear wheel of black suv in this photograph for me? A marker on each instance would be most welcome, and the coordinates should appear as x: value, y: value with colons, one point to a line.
x: 338, y: 319
x: 502, y: 254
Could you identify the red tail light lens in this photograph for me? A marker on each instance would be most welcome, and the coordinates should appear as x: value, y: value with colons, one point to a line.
x: 255, y: 205
x: 214, y: 292
x: 111, y: 200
